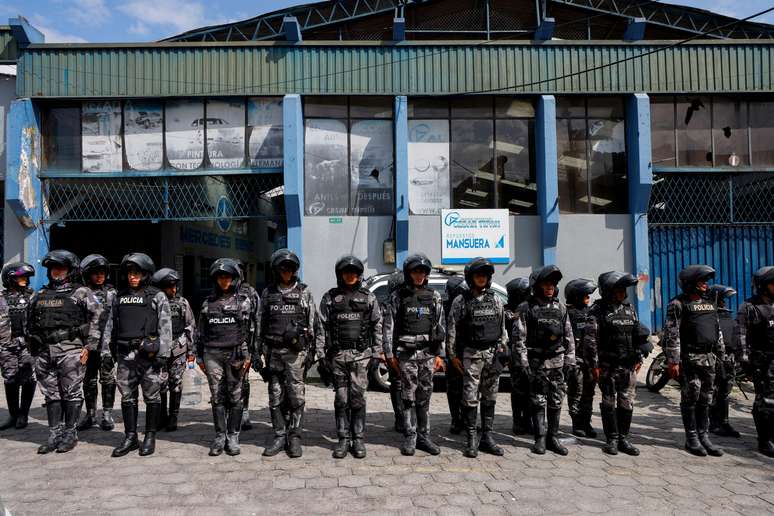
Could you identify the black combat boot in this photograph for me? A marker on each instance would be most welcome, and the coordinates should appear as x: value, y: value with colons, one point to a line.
x: 585, y: 425
x: 469, y: 416
x: 27, y: 393
x: 539, y: 427
x: 174, y: 410
x: 342, y: 431
x: 719, y: 424
x: 163, y: 410
x: 129, y: 411
x: 762, y: 426
x: 152, y: 416
x: 424, y: 442
x: 517, y: 411
x: 55, y: 426
x: 578, y: 429
x: 487, y: 443
x: 702, y: 426
x: 357, y: 428
x: 294, y: 432
x: 280, y: 433
x: 72, y: 409
x: 624, y: 424
x: 108, y: 399
x: 12, y: 398
x: 246, y: 423
x: 233, y: 426
x: 553, y: 443
x: 455, y: 409
x: 409, y: 428
x: 219, y: 420
x: 610, y: 427
x: 397, y: 406
x: 89, y: 418
x: 526, y: 418
x: 692, y: 444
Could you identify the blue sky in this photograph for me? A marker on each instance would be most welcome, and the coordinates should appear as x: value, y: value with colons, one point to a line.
x: 150, y: 20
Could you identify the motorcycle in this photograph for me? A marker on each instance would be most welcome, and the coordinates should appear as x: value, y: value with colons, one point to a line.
x: 658, y: 374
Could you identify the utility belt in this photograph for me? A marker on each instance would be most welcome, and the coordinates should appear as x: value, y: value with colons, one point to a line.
x: 416, y: 342
x: 481, y: 346
x: 545, y: 353
x: 148, y: 345
x: 57, y: 336
x: 348, y: 346
x: 697, y: 349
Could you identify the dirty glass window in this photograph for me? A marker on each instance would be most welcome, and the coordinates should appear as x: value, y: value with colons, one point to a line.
x: 730, y: 132
x: 694, y: 138
x: 662, y: 131
x: 762, y: 133
x: 61, y: 138
x: 472, y: 173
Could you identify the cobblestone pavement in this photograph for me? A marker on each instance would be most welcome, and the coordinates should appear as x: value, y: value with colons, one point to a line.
x: 181, y: 479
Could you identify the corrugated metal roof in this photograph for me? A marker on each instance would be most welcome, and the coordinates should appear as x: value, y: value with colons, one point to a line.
x: 8, y: 47
x: 176, y: 69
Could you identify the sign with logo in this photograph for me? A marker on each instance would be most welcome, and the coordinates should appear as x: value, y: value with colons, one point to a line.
x: 467, y: 234
x: 224, y: 211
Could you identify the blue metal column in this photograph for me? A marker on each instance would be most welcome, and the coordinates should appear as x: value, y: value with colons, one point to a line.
x: 547, y: 176
x: 22, y: 184
x: 293, y: 141
x: 638, y: 154
x: 401, y: 181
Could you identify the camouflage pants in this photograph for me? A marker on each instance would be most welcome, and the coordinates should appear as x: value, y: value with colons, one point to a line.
x: 98, y: 365
x: 17, y: 365
x: 172, y: 375
x: 763, y: 380
x: 287, y: 378
x: 416, y: 375
x: 481, y: 378
x: 618, y: 384
x: 350, y: 379
x: 696, y: 383
x: 546, y: 387
x: 580, y: 390
x: 60, y: 373
x: 724, y: 380
x: 224, y: 374
x: 136, y: 370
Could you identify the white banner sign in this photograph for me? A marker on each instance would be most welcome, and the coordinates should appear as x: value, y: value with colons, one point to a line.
x: 428, y: 156
x: 467, y: 234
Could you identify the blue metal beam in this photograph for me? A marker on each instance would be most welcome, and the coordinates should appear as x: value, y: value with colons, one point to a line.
x: 293, y: 140
x: 546, y: 29
x: 635, y: 31
x: 401, y: 181
x: 291, y: 28
x: 24, y: 33
x: 547, y: 176
x: 399, y: 29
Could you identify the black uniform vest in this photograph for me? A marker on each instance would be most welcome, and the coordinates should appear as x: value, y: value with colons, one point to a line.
x: 699, y: 329
x: 284, y: 311
x: 618, y: 329
x: 416, y: 313
x: 727, y: 328
x: 545, y: 329
x: 136, y: 316
x: 349, y: 318
x: 483, y: 321
x: 18, y: 303
x: 177, y: 310
x: 580, y: 319
x: 761, y: 335
x: 223, y: 324
x: 56, y: 310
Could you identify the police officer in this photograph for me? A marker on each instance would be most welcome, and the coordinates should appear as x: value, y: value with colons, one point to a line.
x: 692, y: 340
x: 414, y: 349
x: 725, y: 369
x: 581, y: 383
x: 16, y: 362
x: 454, y: 287
x: 249, y: 291
x: 352, y: 322
x: 64, y: 330
x: 518, y: 290
x: 285, y: 337
x: 223, y: 352
x: 545, y: 346
x: 394, y: 281
x: 142, y: 333
x: 755, y: 321
x: 612, y: 342
x: 183, y: 331
x: 94, y: 271
x: 476, y: 343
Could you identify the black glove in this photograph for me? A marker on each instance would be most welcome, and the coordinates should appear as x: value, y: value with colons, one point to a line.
x: 257, y: 363
x: 107, y: 362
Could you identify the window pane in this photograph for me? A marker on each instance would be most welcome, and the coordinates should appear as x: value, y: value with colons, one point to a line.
x: 371, y: 160
x: 226, y: 133
x: 471, y: 107
x: 325, y: 107
x: 101, y: 136
x: 571, y: 149
x: 428, y: 157
x: 693, y: 132
x: 515, y: 171
x: 506, y: 107
x: 571, y: 107
x: 606, y: 107
x: 662, y: 131
x: 762, y: 136
x: 62, y: 138
x: 370, y: 107
x: 325, y: 167
x: 185, y: 133
x: 264, y: 125
x: 143, y: 134
x: 729, y: 131
x: 471, y: 169
x: 428, y: 108
x: 607, y: 166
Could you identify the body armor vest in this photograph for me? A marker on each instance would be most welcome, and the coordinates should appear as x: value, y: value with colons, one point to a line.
x: 102, y: 296
x: 699, y: 328
x: 617, y: 333
x: 55, y: 309
x: 135, y: 315
x: 580, y: 319
x: 545, y: 329
x: 177, y: 310
x: 483, y: 321
x: 761, y: 336
x: 350, y: 319
x: 727, y: 329
x: 284, y: 311
x: 416, y: 313
x: 223, y: 325
x: 18, y: 302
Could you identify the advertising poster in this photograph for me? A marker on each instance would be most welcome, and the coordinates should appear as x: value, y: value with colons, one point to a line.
x: 264, y: 125
x: 371, y: 163
x: 325, y: 167
x: 428, y: 157
x: 226, y: 133
x: 143, y: 134
x: 101, y: 137
x: 185, y: 133
x: 467, y: 234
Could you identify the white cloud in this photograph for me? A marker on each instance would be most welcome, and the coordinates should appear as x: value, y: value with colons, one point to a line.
x: 88, y: 12
x: 54, y: 35
x: 139, y: 28
x: 180, y: 15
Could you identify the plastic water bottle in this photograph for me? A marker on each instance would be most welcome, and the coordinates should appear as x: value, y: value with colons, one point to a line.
x: 193, y: 382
